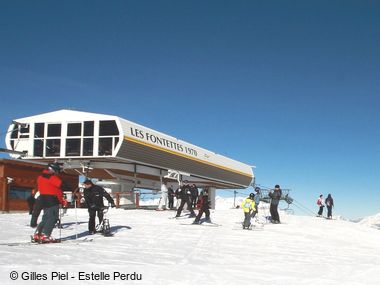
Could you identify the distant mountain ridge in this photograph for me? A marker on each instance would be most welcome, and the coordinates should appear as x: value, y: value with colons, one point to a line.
x: 371, y: 221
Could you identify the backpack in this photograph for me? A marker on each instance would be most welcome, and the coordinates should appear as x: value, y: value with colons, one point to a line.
x: 319, y: 202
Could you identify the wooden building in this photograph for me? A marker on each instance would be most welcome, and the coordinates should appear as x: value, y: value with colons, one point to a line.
x: 17, y: 180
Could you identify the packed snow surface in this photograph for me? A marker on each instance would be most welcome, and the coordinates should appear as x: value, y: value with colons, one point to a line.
x: 162, y: 250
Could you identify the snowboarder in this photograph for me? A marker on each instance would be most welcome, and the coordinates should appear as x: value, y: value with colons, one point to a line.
x: 321, y: 205
x: 49, y: 185
x: 329, y: 204
x: 275, y: 200
x: 93, y: 195
x: 184, y: 194
x: 204, y: 207
x: 248, y: 207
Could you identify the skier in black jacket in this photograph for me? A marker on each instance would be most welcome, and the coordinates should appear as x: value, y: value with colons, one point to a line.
x: 184, y: 193
x: 330, y: 204
x: 275, y: 200
x: 93, y: 194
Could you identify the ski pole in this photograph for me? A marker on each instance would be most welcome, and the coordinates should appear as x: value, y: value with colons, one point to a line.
x: 76, y: 219
x: 60, y: 222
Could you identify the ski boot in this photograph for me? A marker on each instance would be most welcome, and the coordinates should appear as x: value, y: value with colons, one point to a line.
x: 36, y: 238
x: 48, y: 239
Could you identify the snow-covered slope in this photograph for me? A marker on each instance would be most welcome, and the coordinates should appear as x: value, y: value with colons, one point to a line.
x: 301, y: 250
x: 371, y: 221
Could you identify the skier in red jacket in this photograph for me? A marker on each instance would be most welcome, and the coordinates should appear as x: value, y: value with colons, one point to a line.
x: 51, y: 196
x: 204, y: 207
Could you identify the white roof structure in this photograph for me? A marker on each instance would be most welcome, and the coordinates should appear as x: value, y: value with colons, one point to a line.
x: 109, y: 147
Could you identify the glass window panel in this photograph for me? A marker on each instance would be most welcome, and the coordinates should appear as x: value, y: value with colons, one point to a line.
x: 24, y: 131
x: 53, y: 147
x: 88, y: 146
x: 105, y: 146
x: 74, y: 129
x: 38, y: 149
x: 116, y: 141
x: 19, y: 193
x: 39, y: 130
x: 88, y: 129
x: 54, y: 130
x: 108, y: 128
x: 73, y: 147
x: 14, y: 134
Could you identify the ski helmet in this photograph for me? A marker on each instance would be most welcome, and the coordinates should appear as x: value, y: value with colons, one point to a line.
x: 251, y: 196
x: 54, y: 167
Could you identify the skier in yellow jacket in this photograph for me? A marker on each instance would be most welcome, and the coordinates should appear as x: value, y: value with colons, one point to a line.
x: 248, y: 206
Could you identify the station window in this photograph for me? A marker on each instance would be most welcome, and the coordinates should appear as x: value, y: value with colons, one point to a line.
x: 88, y: 146
x: 14, y: 133
x: 105, y: 146
x: 74, y: 129
x: 20, y: 131
x: 19, y: 193
x: 53, y: 147
x: 38, y: 149
x: 54, y: 130
x: 24, y: 131
x: 73, y: 147
x: 108, y: 137
x: 39, y: 130
x: 20, y: 135
x: 108, y: 128
x: 88, y: 129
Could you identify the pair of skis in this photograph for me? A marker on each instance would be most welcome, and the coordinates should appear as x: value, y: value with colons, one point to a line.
x: 205, y: 224
x: 41, y: 243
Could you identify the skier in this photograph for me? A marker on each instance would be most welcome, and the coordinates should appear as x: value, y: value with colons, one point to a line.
x: 194, y: 195
x: 257, y: 201
x: 93, y: 195
x: 49, y: 185
x: 248, y: 206
x: 164, y: 196
x: 171, y: 197
x: 31, y: 201
x: 184, y: 194
x: 275, y: 200
x: 204, y: 207
x: 320, y: 205
x: 330, y: 204
x: 37, y: 208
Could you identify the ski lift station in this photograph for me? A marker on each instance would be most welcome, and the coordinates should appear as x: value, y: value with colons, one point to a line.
x: 123, y: 154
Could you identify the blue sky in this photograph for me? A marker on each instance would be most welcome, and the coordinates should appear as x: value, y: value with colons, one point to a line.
x: 289, y: 86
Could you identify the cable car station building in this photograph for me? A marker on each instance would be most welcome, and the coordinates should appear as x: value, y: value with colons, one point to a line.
x: 127, y: 154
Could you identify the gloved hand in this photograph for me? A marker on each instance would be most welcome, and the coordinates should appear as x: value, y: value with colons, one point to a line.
x: 64, y: 203
x: 113, y: 205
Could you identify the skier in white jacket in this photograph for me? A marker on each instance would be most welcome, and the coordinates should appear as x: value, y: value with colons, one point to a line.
x: 164, y: 196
